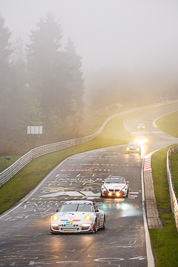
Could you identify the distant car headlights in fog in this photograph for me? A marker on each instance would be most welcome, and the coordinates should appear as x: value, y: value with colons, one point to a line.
x: 141, y: 140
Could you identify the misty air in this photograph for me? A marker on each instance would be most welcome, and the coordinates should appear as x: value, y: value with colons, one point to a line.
x: 88, y: 132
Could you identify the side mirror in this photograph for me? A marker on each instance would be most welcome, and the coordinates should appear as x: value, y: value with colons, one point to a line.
x: 57, y: 210
x: 102, y: 182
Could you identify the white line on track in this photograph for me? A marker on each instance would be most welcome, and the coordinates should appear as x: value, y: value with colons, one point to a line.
x: 150, y: 258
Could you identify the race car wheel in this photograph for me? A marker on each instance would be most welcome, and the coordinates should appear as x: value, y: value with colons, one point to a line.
x: 104, y: 224
x: 52, y: 233
x: 95, y: 228
x: 101, y: 194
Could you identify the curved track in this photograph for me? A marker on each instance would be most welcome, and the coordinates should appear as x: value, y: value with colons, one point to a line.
x: 25, y: 239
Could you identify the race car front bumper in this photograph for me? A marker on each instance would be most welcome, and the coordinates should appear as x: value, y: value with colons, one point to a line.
x: 132, y: 151
x: 71, y: 228
x: 113, y: 193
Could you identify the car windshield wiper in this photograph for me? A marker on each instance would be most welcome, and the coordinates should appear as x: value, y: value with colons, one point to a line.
x: 77, y: 207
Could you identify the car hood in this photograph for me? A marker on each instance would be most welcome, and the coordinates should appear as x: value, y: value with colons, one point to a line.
x: 133, y: 147
x: 114, y: 186
x: 72, y: 216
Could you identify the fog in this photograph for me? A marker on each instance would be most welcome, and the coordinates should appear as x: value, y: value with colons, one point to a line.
x: 133, y: 40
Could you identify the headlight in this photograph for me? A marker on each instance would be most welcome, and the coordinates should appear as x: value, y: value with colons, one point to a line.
x: 55, y: 218
x: 87, y: 218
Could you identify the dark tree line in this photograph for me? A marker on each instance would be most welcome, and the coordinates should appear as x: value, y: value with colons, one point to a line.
x: 41, y: 86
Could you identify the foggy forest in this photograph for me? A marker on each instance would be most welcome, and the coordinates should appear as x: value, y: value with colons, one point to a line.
x: 43, y: 83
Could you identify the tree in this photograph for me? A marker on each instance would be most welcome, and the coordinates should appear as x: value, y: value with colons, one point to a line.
x: 54, y: 75
x: 43, y: 64
x: 75, y: 82
x: 5, y: 75
x: 42, y: 58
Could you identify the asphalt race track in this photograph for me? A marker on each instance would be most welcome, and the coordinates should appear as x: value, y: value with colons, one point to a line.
x: 25, y: 239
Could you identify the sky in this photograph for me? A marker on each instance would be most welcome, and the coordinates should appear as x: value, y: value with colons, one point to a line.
x: 135, y: 37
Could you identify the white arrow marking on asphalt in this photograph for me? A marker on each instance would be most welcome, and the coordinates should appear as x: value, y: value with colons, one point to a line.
x: 73, y: 194
x: 137, y: 258
x: 109, y: 260
x: 90, y: 194
x: 64, y: 193
x: 66, y: 262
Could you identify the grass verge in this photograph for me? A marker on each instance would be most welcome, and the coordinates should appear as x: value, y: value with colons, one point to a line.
x: 164, y: 240
x: 169, y: 124
x: 5, y: 163
x: 174, y: 170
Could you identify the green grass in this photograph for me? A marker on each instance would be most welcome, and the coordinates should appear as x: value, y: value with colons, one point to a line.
x: 174, y: 170
x: 164, y: 240
x: 169, y: 124
x: 4, y: 163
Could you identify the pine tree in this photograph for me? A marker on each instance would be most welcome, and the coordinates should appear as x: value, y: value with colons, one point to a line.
x: 55, y: 77
x: 5, y: 75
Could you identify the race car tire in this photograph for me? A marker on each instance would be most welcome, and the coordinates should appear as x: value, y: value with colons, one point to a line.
x: 101, y: 195
x: 95, y: 228
x: 53, y: 233
x: 104, y: 224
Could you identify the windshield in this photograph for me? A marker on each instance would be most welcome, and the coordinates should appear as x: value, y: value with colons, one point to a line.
x: 77, y: 207
x: 132, y: 144
x: 115, y: 180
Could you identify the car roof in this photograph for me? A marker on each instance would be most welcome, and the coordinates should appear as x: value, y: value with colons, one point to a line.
x: 79, y: 202
x: 132, y: 143
x: 115, y: 177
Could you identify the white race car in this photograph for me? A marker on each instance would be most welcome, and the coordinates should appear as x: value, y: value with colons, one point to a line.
x: 115, y: 186
x: 78, y: 216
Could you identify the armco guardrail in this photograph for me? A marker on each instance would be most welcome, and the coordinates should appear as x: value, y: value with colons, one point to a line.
x: 174, y: 204
x: 43, y: 150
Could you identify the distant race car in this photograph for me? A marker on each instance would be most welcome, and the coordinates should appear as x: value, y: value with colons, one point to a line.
x: 78, y: 216
x: 141, y: 140
x: 115, y: 186
x: 133, y: 147
x: 141, y: 126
